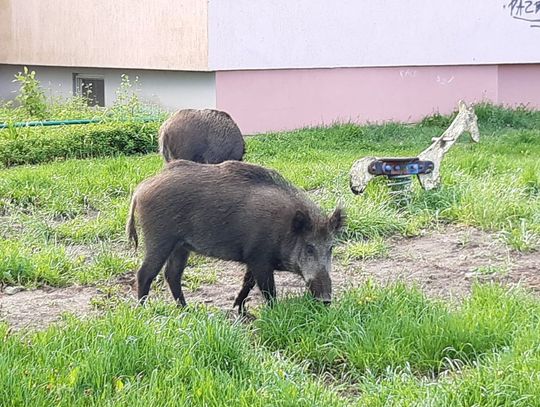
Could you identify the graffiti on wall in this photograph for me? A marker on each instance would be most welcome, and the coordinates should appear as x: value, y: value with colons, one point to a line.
x: 525, y: 10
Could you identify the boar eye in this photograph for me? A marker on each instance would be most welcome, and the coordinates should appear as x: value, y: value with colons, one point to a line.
x: 310, y: 250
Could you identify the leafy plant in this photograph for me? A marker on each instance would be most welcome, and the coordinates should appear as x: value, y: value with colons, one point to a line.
x: 31, y: 95
x: 127, y: 103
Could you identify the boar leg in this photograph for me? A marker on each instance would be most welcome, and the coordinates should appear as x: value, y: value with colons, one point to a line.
x: 249, y: 283
x: 174, y: 270
x: 264, y: 277
x: 153, y: 262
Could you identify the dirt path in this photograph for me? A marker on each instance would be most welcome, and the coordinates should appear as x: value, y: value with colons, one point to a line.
x: 447, y: 263
x: 40, y: 308
x: 444, y: 263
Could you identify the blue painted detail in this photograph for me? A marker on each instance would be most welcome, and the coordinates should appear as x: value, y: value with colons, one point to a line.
x: 413, y: 169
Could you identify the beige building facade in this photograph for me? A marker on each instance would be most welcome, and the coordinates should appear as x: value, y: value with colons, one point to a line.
x: 127, y: 34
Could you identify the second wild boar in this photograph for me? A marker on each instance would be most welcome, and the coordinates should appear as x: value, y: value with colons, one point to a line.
x: 205, y: 136
x: 232, y: 211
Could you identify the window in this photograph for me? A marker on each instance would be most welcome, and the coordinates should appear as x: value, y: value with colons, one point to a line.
x: 91, y: 87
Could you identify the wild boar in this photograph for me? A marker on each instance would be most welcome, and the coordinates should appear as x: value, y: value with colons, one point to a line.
x: 204, y: 136
x: 232, y: 211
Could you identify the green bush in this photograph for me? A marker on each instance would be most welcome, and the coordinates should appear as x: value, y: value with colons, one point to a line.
x: 35, y: 145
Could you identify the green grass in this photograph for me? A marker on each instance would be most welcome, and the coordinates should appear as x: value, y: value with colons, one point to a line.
x: 493, y: 185
x: 57, y: 265
x: 373, y: 347
x: 373, y: 329
x: 75, y: 187
x: 63, y: 223
x: 362, y: 250
x: 152, y: 356
x: 395, y: 347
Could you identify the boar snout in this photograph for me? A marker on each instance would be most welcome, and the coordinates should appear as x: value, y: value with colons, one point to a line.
x: 321, y: 288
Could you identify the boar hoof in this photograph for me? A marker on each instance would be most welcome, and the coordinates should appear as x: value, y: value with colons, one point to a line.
x: 246, y: 317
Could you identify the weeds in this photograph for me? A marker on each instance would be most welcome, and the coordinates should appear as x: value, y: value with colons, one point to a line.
x: 363, y: 250
x: 491, y: 269
x: 31, y: 96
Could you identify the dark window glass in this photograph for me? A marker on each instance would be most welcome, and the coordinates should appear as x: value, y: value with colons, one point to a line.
x: 92, y: 88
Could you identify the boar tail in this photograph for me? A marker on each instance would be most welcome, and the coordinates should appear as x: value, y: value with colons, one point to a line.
x: 131, y: 231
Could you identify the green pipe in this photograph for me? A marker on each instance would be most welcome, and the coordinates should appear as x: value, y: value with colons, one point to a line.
x: 65, y: 122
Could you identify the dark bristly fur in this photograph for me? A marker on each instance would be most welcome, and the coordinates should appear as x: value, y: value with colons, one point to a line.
x: 232, y: 211
x: 204, y: 136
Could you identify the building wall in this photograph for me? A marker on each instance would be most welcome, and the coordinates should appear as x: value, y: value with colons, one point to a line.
x: 280, y: 64
x: 213, y: 35
x: 273, y: 100
x: 157, y: 34
x: 519, y: 84
x: 170, y: 89
x: 284, y: 34
x: 293, y: 98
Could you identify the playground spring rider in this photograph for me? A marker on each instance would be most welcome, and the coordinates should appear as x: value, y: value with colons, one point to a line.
x: 399, y: 170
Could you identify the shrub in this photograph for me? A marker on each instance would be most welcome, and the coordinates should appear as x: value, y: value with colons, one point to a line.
x: 42, y: 144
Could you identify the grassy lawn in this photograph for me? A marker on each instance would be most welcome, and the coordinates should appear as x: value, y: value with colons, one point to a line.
x: 50, y: 211
x: 62, y: 222
x: 375, y: 347
x: 154, y: 356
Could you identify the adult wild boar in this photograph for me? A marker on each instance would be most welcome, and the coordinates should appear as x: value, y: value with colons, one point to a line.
x: 232, y: 211
x: 204, y: 136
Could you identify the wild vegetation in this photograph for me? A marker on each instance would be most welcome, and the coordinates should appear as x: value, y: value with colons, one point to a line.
x: 62, y: 222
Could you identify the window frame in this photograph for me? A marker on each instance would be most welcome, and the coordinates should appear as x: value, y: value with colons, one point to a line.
x: 78, y: 79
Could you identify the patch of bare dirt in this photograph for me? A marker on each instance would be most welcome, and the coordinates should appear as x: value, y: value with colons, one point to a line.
x: 447, y: 263
x: 39, y: 308
x: 444, y: 264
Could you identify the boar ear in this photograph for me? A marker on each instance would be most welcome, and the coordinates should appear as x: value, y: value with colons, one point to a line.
x: 301, y: 222
x: 337, y: 220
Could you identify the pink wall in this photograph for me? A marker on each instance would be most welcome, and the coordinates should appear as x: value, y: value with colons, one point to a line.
x: 519, y: 84
x: 273, y: 100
